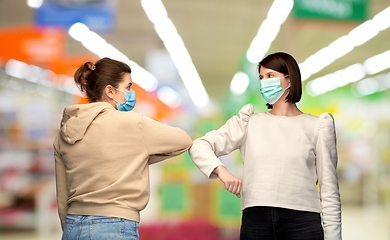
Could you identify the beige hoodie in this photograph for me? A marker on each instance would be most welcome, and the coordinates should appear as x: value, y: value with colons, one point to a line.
x: 102, y: 157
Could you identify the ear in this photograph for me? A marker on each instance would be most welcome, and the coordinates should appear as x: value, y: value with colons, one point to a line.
x: 109, y: 91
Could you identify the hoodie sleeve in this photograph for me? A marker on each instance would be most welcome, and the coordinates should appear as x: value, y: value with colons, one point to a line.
x: 326, y: 163
x: 62, y: 190
x: 162, y: 141
x: 207, y: 149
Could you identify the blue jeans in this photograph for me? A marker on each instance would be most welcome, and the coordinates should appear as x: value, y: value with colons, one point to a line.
x: 83, y: 227
x: 272, y: 223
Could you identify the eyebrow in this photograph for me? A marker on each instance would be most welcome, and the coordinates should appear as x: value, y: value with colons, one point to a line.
x: 267, y: 73
x: 270, y: 72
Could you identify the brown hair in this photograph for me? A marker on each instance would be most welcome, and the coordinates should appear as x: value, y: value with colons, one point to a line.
x: 286, y: 64
x: 93, y: 78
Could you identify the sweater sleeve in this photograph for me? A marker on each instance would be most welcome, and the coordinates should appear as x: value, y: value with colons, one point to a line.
x: 326, y: 163
x: 162, y: 141
x: 62, y: 190
x: 206, y: 150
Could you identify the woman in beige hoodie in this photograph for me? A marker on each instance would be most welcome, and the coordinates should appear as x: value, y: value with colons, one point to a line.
x: 102, y: 155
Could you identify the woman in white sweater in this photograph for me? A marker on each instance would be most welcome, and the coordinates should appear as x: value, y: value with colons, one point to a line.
x: 285, y: 153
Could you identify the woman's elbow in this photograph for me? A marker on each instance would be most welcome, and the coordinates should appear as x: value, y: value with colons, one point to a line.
x: 187, y: 141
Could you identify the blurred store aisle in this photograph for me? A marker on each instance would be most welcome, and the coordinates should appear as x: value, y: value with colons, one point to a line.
x: 28, y: 236
x: 366, y: 223
x: 358, y: 224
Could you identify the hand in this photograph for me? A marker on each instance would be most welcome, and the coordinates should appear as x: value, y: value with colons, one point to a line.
x: 231, y: 183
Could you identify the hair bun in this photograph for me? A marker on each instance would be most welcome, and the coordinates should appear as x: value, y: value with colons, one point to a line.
x: 82, y: 75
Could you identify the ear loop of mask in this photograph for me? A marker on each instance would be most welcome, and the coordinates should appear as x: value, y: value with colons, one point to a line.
x: 284, y: 90
x: 119, y: 91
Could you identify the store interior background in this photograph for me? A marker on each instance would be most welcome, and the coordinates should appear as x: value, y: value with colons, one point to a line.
x: 39, y: 55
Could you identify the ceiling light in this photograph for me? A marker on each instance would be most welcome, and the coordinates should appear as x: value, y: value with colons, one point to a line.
x: 166, y: 30
x: 352, y: 74
x: 367, y: 86
x: 345, y: 44
x: 382, y: 19
x: 363, y: 33
x: 96, y: 44
x: 340, y: 47
x: 16, y: 68
x: 34, y: 3
x: 269, y: 29
x: 372, y: 85
x: 169, y: 96
x: 348, y: 75
x: 378, y: 63
x: 239, y: 83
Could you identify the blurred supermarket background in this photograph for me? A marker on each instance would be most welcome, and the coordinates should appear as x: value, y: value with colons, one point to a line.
x: 194, y: 63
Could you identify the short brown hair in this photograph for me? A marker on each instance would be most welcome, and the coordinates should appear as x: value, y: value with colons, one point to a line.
x: 93, y: 78
x: 284, y: 63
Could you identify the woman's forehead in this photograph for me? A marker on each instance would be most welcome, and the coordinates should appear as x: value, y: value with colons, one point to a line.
x: 127, y: 78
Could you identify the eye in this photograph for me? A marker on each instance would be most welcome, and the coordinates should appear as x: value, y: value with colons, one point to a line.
x: 129, y: 87
x: 260, y: 77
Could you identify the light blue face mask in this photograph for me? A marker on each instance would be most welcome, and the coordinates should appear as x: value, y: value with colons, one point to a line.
x: 271, y: 90
x: 129, y: 103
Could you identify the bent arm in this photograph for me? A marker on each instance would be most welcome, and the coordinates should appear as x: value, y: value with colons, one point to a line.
x: 206, y: 150
x: 162, y: 141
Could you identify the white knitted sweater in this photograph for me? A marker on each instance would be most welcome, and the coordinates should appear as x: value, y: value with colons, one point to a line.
x: 284, y: 158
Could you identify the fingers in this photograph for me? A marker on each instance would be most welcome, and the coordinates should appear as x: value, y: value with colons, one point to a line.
x: 233, y: 185
x: 238, y: 190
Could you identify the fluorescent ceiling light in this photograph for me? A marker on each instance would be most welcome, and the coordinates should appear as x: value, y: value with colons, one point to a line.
x: 34, y: 3
x: 382, y: 19
x: 96, y: 44
x: 143, y: 78
x: 239, y: 83
x: 378, y: 63
x: 269, y: 29
x: 345, y: 44
x: 16, y: 68
x: 169, y: 96
x: 372, y: 85
x: 367, y: 86
x: 363, y: 33
x: 166, y: 30
x: 353, y: 73
x: 348, y: 75
x: 40, y: 76
x: 340, y: 47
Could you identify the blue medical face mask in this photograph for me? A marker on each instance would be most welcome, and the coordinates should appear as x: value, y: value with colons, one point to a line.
x: 271, y: 90
x: 129, y: 103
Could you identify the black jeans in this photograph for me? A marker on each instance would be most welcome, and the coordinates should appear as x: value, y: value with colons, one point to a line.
x: 272, y: 223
